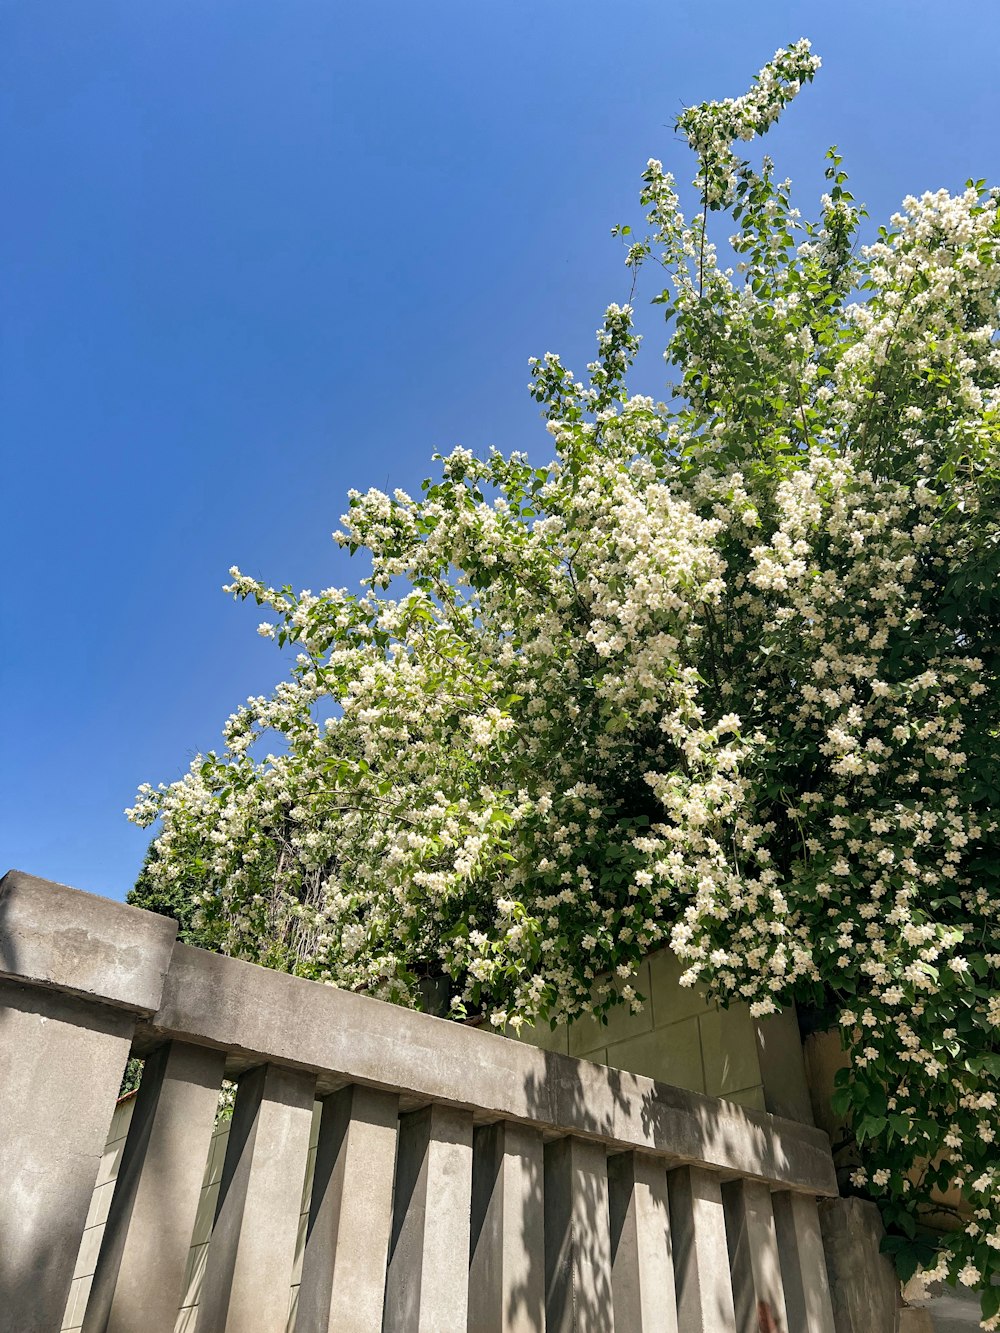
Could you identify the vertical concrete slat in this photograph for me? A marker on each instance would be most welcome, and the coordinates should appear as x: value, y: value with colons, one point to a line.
x: 577, y: 1238
x: 642, y: 1266
x: 506, y: 1267
x: 251, y: 1253
x: 803, y: 1263
x: 427, y: 1289
x: 139, y: 1278
x: 701, y: 1256
x: 61, y: 1065
x: 758, y: 1293
x: 350, y: 1214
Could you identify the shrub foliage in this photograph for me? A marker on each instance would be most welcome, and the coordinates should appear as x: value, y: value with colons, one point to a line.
x: 722, y: 674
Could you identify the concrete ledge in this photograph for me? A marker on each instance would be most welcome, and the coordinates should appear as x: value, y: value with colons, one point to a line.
x: 58, y: 937
x: 260, y: 1015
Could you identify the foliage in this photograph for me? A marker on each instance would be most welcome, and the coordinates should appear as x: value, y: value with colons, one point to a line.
x: 131, y: 1078
x: 722, y: 674
x: 173, y: 897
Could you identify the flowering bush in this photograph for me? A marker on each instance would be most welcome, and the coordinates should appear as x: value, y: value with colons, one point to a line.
x: 723, y: 675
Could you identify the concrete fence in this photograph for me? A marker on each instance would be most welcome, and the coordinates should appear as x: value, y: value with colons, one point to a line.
x: 438, y: 1178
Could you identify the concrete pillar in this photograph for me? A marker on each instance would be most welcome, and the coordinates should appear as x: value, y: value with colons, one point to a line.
x: 507, y: 1265
x: 61, y: 1065
x: 577, y: 1238
x: 427, y: 1288
x: 701, y: 1255
x: 758, y: 1294
x: 350, y: 1214
x: 252, y: 1250
x: 642, y: 1266
x: 864, y: 1289
x: 139, y: 1279
x: 803, y: 1263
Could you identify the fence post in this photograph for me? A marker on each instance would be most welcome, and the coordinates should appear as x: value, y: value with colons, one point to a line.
x: 75, y: 973
x: 642, y: 1266
x: 427, y: 1284
x: 701, y: 1256
x: 350, y: 1213
x: 758, y: 1292
x: 577, y: 1238
x: 252, y: 1250
x: 139, y: 1278
x: 507, y: 1264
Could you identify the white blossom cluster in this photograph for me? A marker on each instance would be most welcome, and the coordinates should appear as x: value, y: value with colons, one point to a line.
x: 722, y: 674
x: 711, y: 128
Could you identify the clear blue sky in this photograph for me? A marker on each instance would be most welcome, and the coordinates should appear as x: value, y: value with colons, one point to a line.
x: 254, y: 254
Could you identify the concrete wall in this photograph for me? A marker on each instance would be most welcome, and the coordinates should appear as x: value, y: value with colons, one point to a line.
x: 858, y: 1273
x: 82, y: 986
x: 680, y: 1037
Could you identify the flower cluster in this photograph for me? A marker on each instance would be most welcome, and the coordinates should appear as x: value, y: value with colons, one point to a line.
x: 722, y: 674
x: 711, y: 128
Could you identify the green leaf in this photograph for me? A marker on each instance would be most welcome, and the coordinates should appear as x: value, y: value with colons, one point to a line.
x: 840, y: 1101
x: 907, y: 1263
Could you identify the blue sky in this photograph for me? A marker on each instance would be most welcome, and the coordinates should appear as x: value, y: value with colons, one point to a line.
x: 253, y: 254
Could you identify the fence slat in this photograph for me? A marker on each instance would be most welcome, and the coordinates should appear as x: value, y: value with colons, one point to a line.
x: 701, y: 1257
x: 139, y: 1277
x: 577, y: 1238
x: 427, y: 1288
x: 61, y: 1065
x: 252, y: 1249
x: 803, y: 1263
x: 642, y: 1267
x: 350, y: 1214
x: 507, y: 1265
x: 758, y: 1294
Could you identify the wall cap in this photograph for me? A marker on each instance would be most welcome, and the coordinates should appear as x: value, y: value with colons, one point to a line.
x: 81, y: 944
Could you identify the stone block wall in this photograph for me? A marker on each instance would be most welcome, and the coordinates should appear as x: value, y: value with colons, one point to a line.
x: 680, y: 1037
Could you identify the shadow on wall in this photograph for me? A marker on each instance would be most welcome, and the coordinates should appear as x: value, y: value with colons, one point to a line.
x: 574, y: 1266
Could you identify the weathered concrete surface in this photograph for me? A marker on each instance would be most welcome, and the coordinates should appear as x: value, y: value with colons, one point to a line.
x: 758, y: 1292
x: 427, y: 1289
x: 262, y: 1015
x: 918, y: 1321
x: 950, y: 1310
x: 782, y: 1066
x: 139, y: 1279
x: 252, y: 1250
x: 863, y: 1284
x: 350, y: 1214
x: 803, y: 1263
x: 701, y: 1258
x: 56, y: 936
x: 506, y: 1268
x: 282, y: 1032
x: 578, y: 1296
x: 642, y: 1267
x: 61, y: 1064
